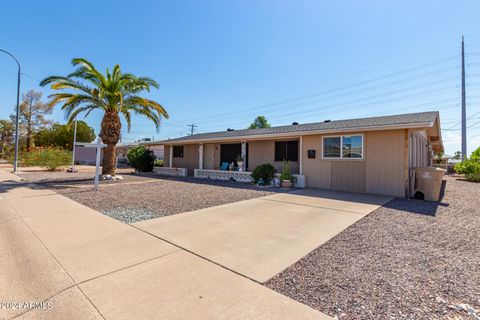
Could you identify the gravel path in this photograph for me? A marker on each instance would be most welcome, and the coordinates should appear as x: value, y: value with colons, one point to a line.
x: 406, y: 260
x: 146, y: 196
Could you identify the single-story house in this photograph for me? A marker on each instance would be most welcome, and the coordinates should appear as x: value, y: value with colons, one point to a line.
x: 371, y: 155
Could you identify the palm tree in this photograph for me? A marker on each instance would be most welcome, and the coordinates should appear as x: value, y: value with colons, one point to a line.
x: 115, y: 93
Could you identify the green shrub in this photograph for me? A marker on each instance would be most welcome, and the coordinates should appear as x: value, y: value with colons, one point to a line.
x: 51, y: 158
x: 158, y: 163
x: 286, y: 173
x: 473, y: 176
x: 467, y: 166
x: 141, y: 159
x: 475, y: 156
x: 470, y: 167
x: 264, y: 171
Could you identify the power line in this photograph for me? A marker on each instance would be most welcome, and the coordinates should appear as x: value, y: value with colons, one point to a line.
x: 349, y: 71
x: 29, y: 76
x: 357, y: 103
x: 458, y: 123
x: 343, y: 87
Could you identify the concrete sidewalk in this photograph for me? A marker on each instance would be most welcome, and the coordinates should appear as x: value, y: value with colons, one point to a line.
x: 84, y: 265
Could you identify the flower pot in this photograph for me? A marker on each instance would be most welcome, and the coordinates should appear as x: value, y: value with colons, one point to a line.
x: 286, y: 183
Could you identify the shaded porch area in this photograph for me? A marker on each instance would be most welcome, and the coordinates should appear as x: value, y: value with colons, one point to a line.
x: 233, y: 159
x: 238, y: 155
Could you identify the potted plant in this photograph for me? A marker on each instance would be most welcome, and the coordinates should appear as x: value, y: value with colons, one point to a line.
x: 239, y: 163
x: 286, y: 176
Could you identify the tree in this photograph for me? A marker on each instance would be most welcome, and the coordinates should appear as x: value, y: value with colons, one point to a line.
x: 475, y: 156
x: 114, y: 93
x: 6, y: 137
x: 458, y: 155
x: 259, y: 122
x: 32, y: 116
x: 61, y: 135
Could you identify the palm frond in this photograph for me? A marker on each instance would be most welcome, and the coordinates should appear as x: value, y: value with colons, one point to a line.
x: 139, y: 101
x: 128, y: 119
x: 86, y: 89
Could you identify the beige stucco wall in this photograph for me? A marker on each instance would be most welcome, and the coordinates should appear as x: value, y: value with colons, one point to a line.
x: 259, y: 152
x: 189, y: 160
x: 263, y: 151
x: 209, y: 156
x: 166, y: 155
x: 381, y: 171
x: 386, y: 154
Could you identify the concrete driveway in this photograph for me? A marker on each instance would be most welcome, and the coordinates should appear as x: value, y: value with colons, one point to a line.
x: 259, y: 238
x: 62, y: 260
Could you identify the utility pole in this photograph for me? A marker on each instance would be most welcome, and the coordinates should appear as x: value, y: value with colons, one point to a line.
x: 464, y: 111
x: 17, y: 113
x: 192, y: 126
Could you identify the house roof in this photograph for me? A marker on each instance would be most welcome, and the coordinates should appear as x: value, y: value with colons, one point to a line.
x: 410, y: 120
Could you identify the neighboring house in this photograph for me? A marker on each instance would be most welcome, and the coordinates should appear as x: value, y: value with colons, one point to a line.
x: 158, y: 150
x: 87, y: 155
x: 373, y: 155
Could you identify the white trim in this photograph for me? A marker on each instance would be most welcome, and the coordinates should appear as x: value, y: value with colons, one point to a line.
x: 300, y: 160
x: 239, y: 176
x: 341, y: 146
x: 200, y: 156
x: 244, y: 155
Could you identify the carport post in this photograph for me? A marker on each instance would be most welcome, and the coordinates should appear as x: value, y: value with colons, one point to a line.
x: 170, y: 157
x: 244, y: 155
x: 200, y: 156
x: 300, y: 160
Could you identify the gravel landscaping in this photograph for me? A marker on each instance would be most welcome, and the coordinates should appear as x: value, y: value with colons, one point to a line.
x: 406, y: 260
x: 146, y: 196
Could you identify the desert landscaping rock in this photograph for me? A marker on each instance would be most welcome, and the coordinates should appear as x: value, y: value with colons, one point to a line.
x: 409, y: 259
x: 130, y: 215
x: 146, y: 196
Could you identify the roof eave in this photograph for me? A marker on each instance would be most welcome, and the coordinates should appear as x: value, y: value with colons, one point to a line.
x: 294, y: 134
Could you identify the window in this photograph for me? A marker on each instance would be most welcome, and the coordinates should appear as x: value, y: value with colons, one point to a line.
x: 343, y: 147
x: 352, y: 147
x: 286, y: 150
x: 331, y: 147
x: 178, y: 151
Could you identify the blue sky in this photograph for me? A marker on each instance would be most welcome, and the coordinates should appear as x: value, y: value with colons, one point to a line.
x: 221, y: 63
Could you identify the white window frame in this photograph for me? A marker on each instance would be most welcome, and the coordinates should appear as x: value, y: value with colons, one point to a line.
x: 341, y: 146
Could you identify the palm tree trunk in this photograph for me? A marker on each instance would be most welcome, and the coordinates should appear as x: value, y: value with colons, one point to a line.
x: 108, y: 164
x: 110, y: 135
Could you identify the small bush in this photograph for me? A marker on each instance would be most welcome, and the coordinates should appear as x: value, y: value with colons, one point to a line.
x: 470, y: 168
x: 50, y: 158
x: 264, y: 171
x: 467, y: 166
x: 286, y: 173
x: 474, y: 176
x: 158, y: 163
x: 141, y: 159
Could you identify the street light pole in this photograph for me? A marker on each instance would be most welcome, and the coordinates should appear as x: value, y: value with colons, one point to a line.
x: 74, y: 142
x: 15, y: 159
